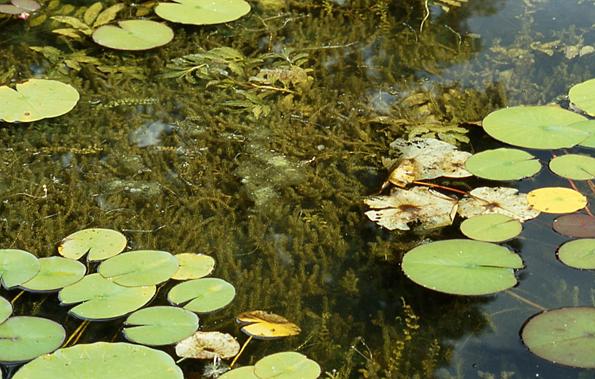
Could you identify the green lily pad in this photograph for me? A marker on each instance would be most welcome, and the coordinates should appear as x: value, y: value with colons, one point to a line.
x: 133, y: 35
x: 574, y: 166
x: 17, y: 267
x: 564, y: 336
x: 203, y: 295
x: 23, y: 338
x: 102, y: 360
x: 5, y: 309
x: 575, y: 225
x: 587, y: 126
x: 583, y: 96
x: 491, y: 228
x: 202, y: 12
x: 99, y: 243
x: 55, y: 273
x: 503, y: 164
x: 193, y: 266
x: 578, y: 253
x: 462, y: 267
x: 36, y: 99
x: 161, y: 325
x: 286, y: 365
x: 246, y: 372
x: 139, y: 268
x: 102, y: 299
x: 535, y: 127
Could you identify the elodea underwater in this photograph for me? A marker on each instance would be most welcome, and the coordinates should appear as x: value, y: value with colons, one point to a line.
x: 297, y: 189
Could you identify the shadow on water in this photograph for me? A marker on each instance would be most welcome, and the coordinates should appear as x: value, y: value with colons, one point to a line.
x: 276, y: 197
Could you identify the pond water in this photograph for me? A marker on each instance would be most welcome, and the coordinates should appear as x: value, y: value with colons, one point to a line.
x: 271, y: 182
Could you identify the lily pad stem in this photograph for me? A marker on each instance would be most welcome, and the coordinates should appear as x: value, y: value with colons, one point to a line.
x: 431, y: 185
x: 14, y: 299
x: 241, y: 351
x: 78, y: 332
x: 525, y: 300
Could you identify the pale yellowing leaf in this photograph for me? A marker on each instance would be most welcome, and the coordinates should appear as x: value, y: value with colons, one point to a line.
x: 500, y: 200
x: 208, y: 345
x: 108, y: 15
x: 92, y: 12
x: 75, y: 23
x: 266, y: 325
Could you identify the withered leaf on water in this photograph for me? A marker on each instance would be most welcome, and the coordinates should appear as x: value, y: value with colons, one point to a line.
x: 266, y: 325
x: 501, y: 200
x: 208, y: 345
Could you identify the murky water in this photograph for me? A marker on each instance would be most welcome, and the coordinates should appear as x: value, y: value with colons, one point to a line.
x: 273, y: 188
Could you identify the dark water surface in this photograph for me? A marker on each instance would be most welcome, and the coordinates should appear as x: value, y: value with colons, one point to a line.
x: 273, y: 188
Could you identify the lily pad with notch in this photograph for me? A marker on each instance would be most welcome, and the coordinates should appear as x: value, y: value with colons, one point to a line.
x: 574, y: 166
x: 286, y: 365
x: 193, y: 266
x: 55, y: 273
x: 102, y: 360
x: 133, y: 35
x: 564, y: 336
x: 5, y: 309
x: 202, y: 295
x: 583, y: 96
x: 575, y: 225
x: 102, y: 299
x: 503, y: 164
x: 491, y: 227
x: 202, y: 12
x: 139, y: 268
x: 17, y: 266
x: 266, y: 325
x: 23, y: 338
x: 587, y: 126
x: 160, y: 325
x: 578, y: 253
x: 556, y: 200
x: 462, y: 267
x: 99, y: 243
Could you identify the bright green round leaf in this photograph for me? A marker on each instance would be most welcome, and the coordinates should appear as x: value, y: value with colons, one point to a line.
x: 503, y: 164
x: 535, y: 127
x: 564, y: 336
x: 574, y: 166
x: 462, y: 267
x: 246, y: 372
x: 55, y: 273
x: 139, y: 268
x: 23, y: 338
x: 193, y: 266
x: 202, y: 12
x: 286, y: 365
x: 102, y: 299
x: 161, y: 325
x: 578, y: 253
x: 99, y: 243
x: 587, y: 126
x: 36, y: 99
x: 102, y: 360
x: 17, y: 267
x: 202, y: 295
x: 133, y: 35
x: 583, y: 96
x: 5, y: 309
x: 491, y: 227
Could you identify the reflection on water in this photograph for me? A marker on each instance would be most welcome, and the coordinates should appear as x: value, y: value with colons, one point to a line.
x: 276, y: 197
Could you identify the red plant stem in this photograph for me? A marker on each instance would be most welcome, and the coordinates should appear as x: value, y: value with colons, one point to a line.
x: 441, y: 187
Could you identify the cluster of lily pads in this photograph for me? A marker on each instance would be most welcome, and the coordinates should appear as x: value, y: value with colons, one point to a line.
x: 122, y: 285
x: 478, y: 266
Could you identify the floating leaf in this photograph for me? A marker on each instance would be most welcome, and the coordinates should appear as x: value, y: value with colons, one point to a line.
x: 36, y: 99
x: 578, y: 253
x: 160, y: 325
x: 133, y: 35
x: 462, y: 267
x: 500, y: 200
x: 246, y: 372
x: 204, y: 295
x: 193, y: 266
x: 503, y: 164
x: 564, y: 336
x: 535, y: 127
x: 202, y: 12
x: 139, y: 268
x: 556, y: 200
x: 583, y: 96
x: 17, y: 267
x: 419, y: 204
x: 99, y: 243
x: 55, y: 273
x: 491, y: 227
x: 101, y: 299
x: 574, y: 166
x: 575, y: 225
x: 426, y: 158
x: 208, y: 345
x: 286, y: 365
x: 102, y: 360
x: 587, y: 126
x: 265, y: 325
x: 5, y: 309
x: 23, y: 338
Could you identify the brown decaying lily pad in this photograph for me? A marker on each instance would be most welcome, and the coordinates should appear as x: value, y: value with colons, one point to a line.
x: 208, y: 345
x: 575, y: 225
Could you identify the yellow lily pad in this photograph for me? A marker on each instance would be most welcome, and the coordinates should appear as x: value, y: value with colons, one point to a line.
x: 556, y: 200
